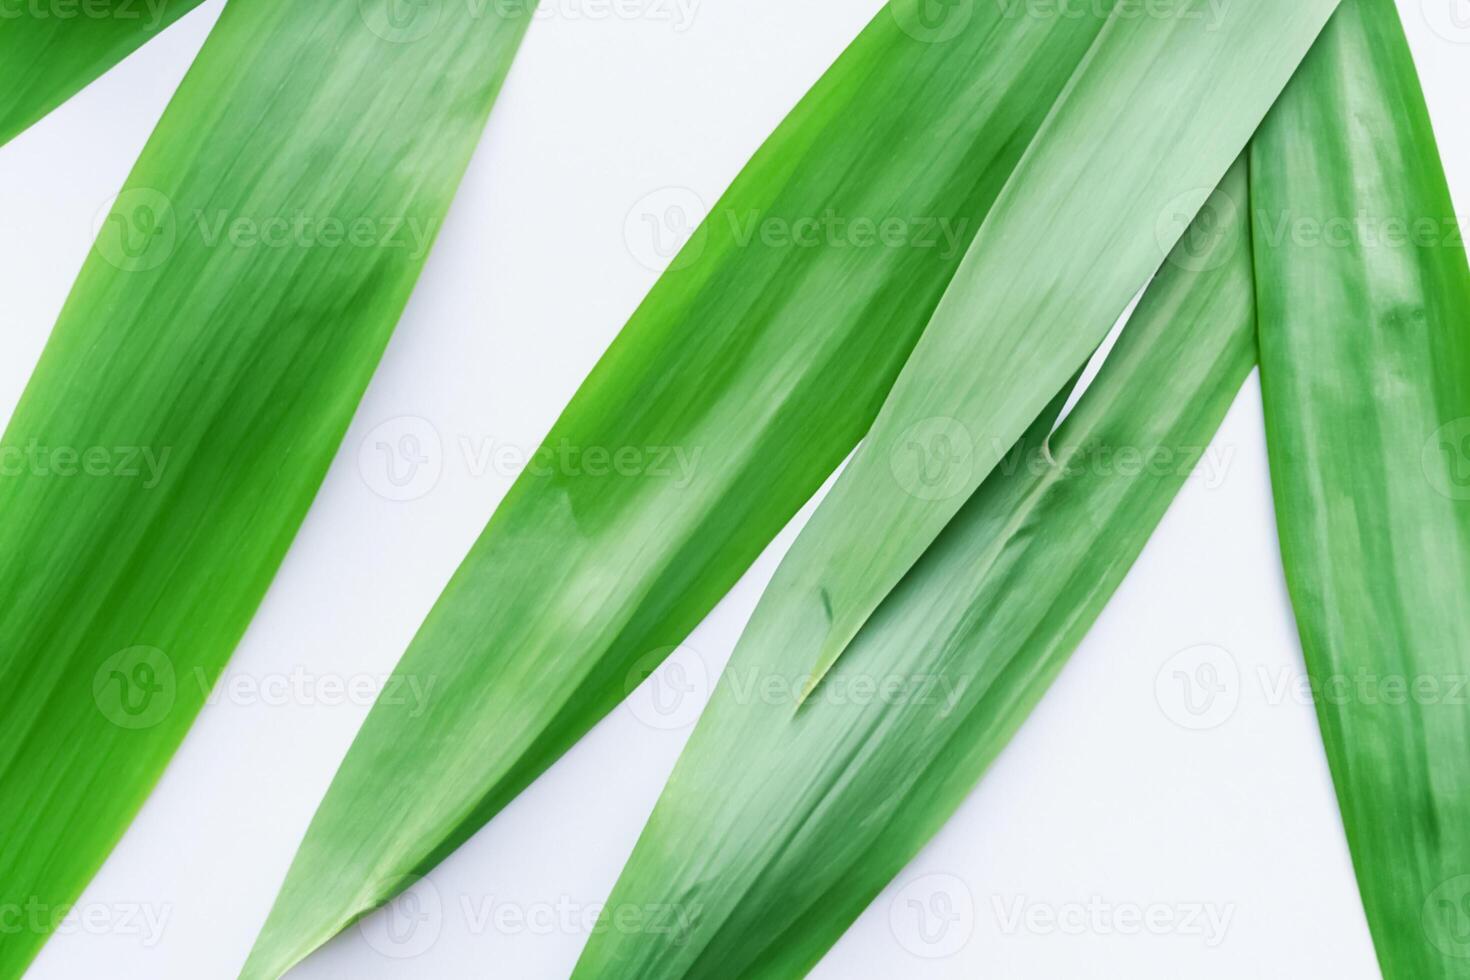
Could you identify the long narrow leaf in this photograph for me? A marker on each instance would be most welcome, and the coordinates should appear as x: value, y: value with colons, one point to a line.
x: 1365, y: 354
x: 1148, y: 127
x: 758, y: 360
x: 49, y: 51
x: 195, y: 388
x: 779, y: 827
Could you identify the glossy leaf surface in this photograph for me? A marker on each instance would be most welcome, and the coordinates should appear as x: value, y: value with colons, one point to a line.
x: 195, y: 389
x: 1165, y: 102
x: 49, y: 51
x: 754, y: 366
x: 1365, y: 368
x: 780, y: 825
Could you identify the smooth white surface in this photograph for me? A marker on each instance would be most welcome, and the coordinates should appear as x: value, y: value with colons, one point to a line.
x: 1118, y: 799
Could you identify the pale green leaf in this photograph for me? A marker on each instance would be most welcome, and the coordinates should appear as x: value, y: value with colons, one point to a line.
x: 756, y: 361
x: 1165, y: 101
x: 779, y: 826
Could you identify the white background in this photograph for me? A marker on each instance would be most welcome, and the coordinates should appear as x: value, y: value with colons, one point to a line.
x: 1113, y: 795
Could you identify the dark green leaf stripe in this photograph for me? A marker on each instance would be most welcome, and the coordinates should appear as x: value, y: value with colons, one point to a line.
x: 197, y: 385
x: 779, y: 826
x: 762, y: 362
x: 51, y: 49
x: 1365, y: 347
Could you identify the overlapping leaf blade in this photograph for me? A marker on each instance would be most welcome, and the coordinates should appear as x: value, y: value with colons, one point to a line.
x: 779, y: 826
x: 50, y: 51
x: 766, y: 363
x: 1166, y: 100
x: 195, y: 388
x: 1365, y: 354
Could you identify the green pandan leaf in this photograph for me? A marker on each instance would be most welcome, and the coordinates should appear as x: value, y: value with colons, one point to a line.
x: 51, y: 49
x: 1167, y: 98
x: 1365, y: 367
x: 759, y: 361
x: 779, y: 826
x: 195, y: 389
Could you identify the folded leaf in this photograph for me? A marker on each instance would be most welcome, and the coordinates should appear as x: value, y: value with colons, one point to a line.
x: 1365, y: 366
x: 758, y: 360
x: 1147, y: 128
x: 51, y: 51
x: 779, y: 826
x: 196, y: 387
